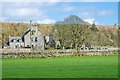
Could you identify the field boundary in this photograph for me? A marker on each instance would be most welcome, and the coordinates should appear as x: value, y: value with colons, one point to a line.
x: 56, y: 53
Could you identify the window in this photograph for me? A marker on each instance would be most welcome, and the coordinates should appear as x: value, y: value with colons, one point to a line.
x: 12, y: 40
x: 35, y: 39
x: 32, y: 39
x: 17, y: 46
x: 28, y: 46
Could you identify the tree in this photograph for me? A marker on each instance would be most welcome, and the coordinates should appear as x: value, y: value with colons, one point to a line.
x: 71, y: 33
x: 61, y: 34
x: 94, y: 28
x: 79, y: 34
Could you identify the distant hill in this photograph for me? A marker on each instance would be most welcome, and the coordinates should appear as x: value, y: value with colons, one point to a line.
x: 73, y: 19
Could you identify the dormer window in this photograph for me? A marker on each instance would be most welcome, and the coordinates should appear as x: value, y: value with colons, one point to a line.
x: 13, y: 40
x: 33, y: 32
x: 19, y: 40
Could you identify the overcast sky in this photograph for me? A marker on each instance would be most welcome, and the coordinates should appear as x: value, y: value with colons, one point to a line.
x: 105, y: 13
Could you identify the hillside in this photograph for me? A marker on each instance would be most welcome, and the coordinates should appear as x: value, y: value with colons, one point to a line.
x: 17, y: 29
x: 105, y: 36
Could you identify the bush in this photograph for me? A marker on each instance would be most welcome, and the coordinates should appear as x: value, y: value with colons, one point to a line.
x: 69, y: 47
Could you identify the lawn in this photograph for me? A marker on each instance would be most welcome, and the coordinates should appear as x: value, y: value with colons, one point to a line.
x: 62, y: 67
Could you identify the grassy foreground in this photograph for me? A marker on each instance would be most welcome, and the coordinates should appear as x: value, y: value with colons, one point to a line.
x: 62, y: 67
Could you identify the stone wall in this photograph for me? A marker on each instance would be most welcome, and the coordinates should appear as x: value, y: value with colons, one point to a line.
x: 55, y: 53
x: 14, y: 50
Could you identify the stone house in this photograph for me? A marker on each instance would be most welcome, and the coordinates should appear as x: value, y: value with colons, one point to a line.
x: 16, y: 42
x: 32, y: 38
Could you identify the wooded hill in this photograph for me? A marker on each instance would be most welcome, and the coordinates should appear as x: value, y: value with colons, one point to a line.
x: 105, y: 36
x: 99, y: 35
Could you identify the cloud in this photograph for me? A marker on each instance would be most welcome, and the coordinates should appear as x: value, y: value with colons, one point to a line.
x: 23, y: 12
x: 2, y: 19
x: 56, y: 0
x: 32, y: 0
x: 66, y: 8
x: 99, y: 0
x: 105, y: 12
x: 60, y: 0
x: 92, y: 0
x: 87, y: 14
x: 94, y: 13
x: 90, y: 20
x: 46, y: 21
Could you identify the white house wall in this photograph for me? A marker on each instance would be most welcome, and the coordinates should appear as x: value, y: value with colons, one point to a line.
x: 40, y: 41
x: 17, y: 44
x: 27, y: 39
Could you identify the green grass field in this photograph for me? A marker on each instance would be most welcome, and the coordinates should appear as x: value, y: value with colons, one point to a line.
x: 62, y: 67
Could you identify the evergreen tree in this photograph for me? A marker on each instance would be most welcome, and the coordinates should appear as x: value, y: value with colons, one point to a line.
x: 94, y: 28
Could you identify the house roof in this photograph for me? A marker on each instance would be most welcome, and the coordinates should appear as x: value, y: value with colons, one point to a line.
x: 26, y: 32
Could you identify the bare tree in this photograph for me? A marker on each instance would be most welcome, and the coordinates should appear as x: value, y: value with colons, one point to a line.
x: 74, y: 33
x: 79, y: 33
x: 62, y: 34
